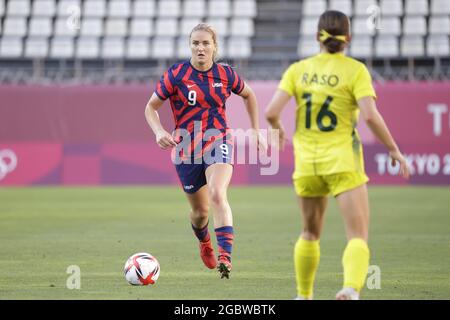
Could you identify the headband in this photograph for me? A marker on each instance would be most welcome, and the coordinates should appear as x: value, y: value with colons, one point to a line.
x: 325, y: 36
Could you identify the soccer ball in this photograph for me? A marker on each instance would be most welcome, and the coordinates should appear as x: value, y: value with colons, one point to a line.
x: 141, y: 269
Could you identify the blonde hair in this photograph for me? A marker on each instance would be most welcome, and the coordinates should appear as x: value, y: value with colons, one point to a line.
x: 208, y: 28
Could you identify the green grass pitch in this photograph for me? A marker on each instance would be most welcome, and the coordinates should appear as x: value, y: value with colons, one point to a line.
x: 45, y: 230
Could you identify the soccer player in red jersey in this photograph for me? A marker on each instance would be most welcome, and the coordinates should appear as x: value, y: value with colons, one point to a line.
x: 197, y: 90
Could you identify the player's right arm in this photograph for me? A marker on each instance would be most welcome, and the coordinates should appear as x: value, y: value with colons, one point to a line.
x: 285, y: 91
x: 273, y: 113
x: 376, y: 123
x: 163, y: 138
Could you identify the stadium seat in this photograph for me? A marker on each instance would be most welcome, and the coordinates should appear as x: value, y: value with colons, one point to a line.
x: 391, y: 8
x: 307, y: 46
x: 416, y: 25
x: 183, y: 48
x: 186, y: 26
x: 144, y: 8
x: 220, y: 25
x: 239, y: 48
x: 244, y: 8
x: 308, y: 26
x: 44, y: 8
x: 18, y: 8
x: 36, y: 47
x: 163, y: 48
x: 412, y: 46
x: 68, y: 7
x: 166, y: 27
x: 416, y: 7
x: 116, y: 27
x: 62, y: 48
x: 2, y: 8
x: 360, y: 27
x: 362, y: 6
x: 15, y: 26
x: 222, y: 47
x: 91, y: 27
x: 87, y: 48
x: 361, y: 46
x: 194, y: 8
x: 169, y: 8
x: 141, y: 27
x: 313, y: 7
x: 113, y: 48
x: 63, y: 27
x: 137, y: 48
x: 390, y: 26
x: 219, y: 8
x: 40, y: 27
x: 438, y: 45
x: 439, y: 25
x: 119, y: 9
x: 242, y: 27
x: 440, y: 7
x: 344, y: 6
x: 386, y: 46
x: 11, y: 47
x: 94, y: 8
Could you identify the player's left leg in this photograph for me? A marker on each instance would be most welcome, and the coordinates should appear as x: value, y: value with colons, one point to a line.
x: 218, y: 176
x: 354, y: 206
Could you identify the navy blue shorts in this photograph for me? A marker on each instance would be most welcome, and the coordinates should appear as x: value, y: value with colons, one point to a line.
x: 192, y: 174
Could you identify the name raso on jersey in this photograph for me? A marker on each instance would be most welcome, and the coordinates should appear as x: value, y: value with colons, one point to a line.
x: 331, y: 80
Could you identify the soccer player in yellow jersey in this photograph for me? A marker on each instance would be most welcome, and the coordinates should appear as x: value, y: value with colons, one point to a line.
x: 331, y: 90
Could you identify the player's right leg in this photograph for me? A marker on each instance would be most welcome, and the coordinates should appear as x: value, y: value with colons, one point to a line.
x: 313, y: 202
x: 199, y: 220
x: 192, y: 178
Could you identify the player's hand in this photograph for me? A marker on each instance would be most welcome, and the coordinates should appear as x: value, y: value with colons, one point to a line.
x: 261, y: 143
x: 396, y: 156
x: 165, y: 140
x: 260, y: 140
x: 279, y: 140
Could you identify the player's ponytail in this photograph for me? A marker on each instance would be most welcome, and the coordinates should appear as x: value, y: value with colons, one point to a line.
x: 334, y: 30
x: 208, y: 28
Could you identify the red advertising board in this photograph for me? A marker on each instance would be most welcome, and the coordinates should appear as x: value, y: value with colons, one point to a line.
x: 91, y: 135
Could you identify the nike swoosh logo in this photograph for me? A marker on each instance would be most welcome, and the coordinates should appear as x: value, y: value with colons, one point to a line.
x: 190, y: 86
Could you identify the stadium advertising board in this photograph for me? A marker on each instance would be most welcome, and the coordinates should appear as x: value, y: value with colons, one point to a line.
x: 91, y: 135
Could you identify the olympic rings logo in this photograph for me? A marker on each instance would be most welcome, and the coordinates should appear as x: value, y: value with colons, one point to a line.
x: 8, y: 162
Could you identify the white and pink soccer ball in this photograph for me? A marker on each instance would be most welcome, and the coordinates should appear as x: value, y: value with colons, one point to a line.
x: 141, y: 269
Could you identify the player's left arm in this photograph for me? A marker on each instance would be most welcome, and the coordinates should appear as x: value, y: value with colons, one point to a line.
x: 249, y: 97
x: 251, y: 103
x: 376, y: 124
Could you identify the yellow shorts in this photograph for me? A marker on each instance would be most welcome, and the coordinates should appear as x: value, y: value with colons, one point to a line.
x: 317, y: 186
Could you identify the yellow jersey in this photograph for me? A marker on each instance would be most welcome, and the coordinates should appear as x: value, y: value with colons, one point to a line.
x: 326, y: 88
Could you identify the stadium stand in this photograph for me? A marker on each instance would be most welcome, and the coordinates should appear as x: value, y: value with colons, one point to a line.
x: 262, y: 36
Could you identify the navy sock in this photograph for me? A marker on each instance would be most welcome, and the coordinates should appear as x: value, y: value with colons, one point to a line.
x: 225, y: 241
x: 202, y: 234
